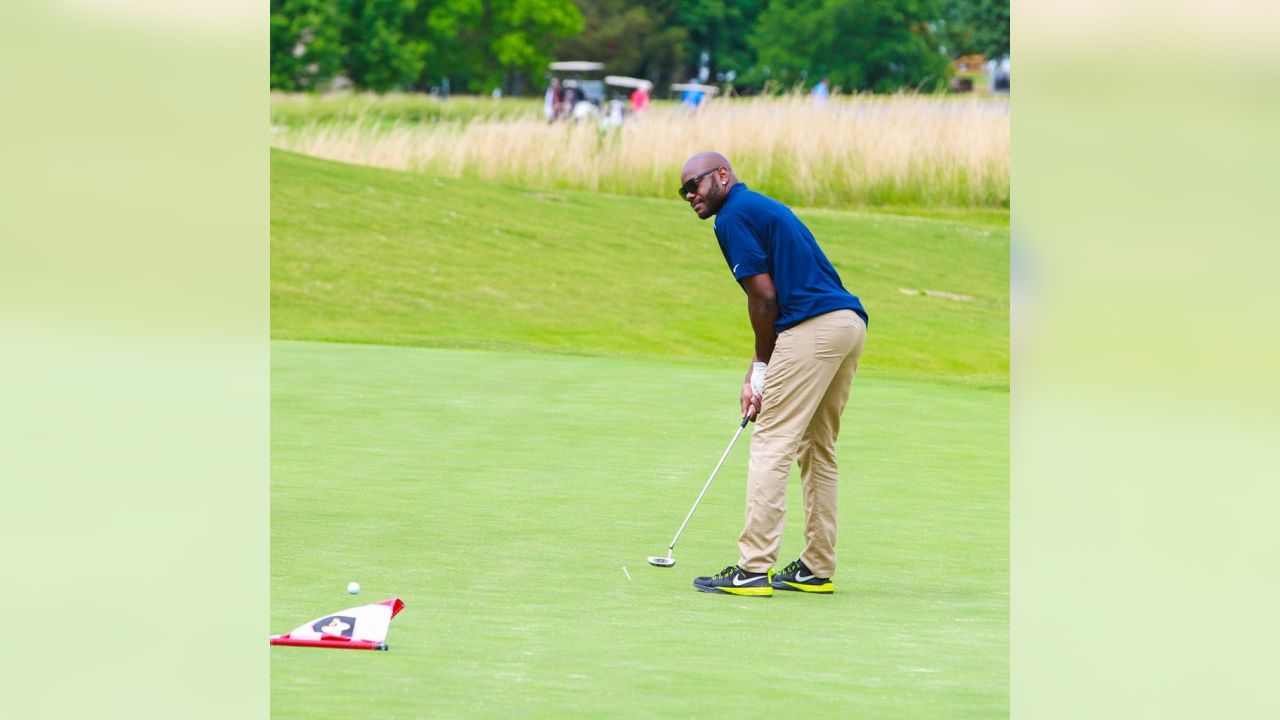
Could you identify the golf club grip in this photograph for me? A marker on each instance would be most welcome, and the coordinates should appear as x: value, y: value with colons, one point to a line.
x: 705, y: 487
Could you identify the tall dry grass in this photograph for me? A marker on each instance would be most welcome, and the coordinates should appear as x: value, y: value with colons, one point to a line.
x: 851, y: 151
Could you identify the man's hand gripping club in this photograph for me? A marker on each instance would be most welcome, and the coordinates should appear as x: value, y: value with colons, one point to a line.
x: 753, y: 389
x: 762, y: 307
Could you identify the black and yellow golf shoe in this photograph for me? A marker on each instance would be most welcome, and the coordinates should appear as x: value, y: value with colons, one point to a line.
x: 797, y: 577
x: 733, y: 580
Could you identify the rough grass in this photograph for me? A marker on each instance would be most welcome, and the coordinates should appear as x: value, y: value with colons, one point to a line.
x: 370, y: 110
x: 914, y: 150
x: 368, y: 255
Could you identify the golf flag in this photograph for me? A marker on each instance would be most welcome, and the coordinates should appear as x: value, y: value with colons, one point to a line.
x: 357, y: 628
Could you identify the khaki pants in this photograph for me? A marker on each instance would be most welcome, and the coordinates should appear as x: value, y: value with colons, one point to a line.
x: 805, y: 392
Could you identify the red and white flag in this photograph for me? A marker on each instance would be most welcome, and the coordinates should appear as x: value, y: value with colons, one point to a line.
x: 357, y: 628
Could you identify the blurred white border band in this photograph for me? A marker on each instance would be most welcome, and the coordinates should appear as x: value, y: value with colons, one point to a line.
x: 1145, y: 397
x: 205, y: 18
x: 134, y: 362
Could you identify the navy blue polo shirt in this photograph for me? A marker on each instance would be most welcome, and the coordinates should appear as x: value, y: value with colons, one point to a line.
x: 758, y: 234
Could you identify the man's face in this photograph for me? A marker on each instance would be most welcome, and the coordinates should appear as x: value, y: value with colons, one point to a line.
x: 704, y: 190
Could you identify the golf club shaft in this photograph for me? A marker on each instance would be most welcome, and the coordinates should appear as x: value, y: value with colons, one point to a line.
x: 727, y: 450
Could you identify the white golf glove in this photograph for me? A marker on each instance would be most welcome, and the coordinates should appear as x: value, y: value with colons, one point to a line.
x: 758, y: 369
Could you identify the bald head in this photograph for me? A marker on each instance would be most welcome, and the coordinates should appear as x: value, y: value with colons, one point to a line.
x: 705, y: 182
x: 707, y: 160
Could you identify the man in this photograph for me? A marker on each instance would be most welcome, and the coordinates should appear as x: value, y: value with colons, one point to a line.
x: 809, y: 333
x: 640, y: 99
x: 552, y: 101
x: 822, y: 91
x: 691, y: 98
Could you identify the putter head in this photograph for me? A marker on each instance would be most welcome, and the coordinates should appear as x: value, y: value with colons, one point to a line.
x: 662, y: 561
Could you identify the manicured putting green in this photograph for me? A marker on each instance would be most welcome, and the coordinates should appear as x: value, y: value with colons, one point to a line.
x: 501, y: 495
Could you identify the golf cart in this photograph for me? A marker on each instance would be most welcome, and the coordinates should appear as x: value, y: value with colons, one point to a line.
x: 627, y: 84
x: 633, y: 90
x: 582, y: 88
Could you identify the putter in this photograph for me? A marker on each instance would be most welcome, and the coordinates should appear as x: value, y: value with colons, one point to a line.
x: 668, y: 561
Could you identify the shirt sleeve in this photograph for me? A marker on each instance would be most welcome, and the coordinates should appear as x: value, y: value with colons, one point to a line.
x: 742, y: 250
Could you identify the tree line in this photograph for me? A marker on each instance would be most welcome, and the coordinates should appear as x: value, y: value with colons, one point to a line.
x: 475, y: 46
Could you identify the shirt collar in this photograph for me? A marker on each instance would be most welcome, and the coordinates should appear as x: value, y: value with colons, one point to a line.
x: 739, y: 186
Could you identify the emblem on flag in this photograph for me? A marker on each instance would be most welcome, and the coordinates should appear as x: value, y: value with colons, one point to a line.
x: 357, y: 628
x: 334, y: 625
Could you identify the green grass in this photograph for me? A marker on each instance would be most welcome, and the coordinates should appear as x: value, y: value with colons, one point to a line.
x: 295, y: 110
x: 501, y: 494
x: 526, y: 392
x: 374, y: 256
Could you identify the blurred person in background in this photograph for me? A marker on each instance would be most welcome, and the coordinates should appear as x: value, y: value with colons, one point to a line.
x: 639, y: 99
x: 570, y: 98
x: 552, y: 102
x: 822, y: 91
x: 691, y: 98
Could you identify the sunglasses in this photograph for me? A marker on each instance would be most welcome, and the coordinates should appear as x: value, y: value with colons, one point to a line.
x: 692, y: 184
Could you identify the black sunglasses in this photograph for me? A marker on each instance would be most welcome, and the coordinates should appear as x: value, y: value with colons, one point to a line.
x: 691, y: 184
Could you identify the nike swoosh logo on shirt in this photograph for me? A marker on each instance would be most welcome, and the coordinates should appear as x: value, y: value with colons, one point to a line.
x: 735, y: 268
x: 801, y: 577
x: 736, y: 578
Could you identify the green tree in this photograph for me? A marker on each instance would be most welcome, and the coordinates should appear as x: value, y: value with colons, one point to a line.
x: 639, y: 40
x: 453, y: 41
x: 525, y: 34
x: 975, y: 27
x: 306, y: 43
x: 722, y: 29
x: 877, y: 45
x: 381, y: 51
x: 482, y: 44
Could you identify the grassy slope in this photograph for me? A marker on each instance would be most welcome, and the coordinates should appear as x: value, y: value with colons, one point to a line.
x: 368, y: 255
x: 501, y: 495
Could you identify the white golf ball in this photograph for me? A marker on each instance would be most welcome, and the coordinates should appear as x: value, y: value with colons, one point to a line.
x: 353, y: 587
